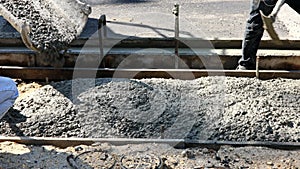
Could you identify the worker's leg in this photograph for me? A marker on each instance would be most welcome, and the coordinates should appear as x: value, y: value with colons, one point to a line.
x: 254, y: 32
x: 8, y: 94
x: 295, y: 4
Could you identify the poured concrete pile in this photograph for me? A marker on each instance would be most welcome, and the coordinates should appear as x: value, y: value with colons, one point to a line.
x: 236, y: 109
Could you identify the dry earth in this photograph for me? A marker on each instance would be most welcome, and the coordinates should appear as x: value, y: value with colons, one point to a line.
x: 13, y: 155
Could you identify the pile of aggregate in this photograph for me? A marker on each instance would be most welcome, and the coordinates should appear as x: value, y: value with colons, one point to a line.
x: 214, y: 108
x: 49, y: 33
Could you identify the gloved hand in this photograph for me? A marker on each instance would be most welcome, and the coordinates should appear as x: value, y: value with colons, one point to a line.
x: 273, y: 16
x: 276, y: 9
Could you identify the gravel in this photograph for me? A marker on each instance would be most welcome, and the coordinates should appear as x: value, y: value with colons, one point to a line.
x: 209, y: 108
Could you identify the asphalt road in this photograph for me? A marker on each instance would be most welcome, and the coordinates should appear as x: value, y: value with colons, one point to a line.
x: 198, y: 18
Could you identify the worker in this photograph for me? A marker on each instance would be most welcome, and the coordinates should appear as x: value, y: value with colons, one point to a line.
x: 8, y: 95
x: 254, y: 28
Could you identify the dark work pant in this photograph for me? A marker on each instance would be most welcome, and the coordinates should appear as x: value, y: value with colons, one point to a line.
x: 254, y: 29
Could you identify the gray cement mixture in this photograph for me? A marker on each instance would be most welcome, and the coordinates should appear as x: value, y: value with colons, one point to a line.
x: 210, y: 108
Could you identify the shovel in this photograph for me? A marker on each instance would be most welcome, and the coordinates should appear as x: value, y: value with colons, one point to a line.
x: 268, y: 26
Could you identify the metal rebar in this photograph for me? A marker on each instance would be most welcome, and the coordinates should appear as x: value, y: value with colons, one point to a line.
x: 257, y: 67
x: 101, y: 32
x: 176, y: 13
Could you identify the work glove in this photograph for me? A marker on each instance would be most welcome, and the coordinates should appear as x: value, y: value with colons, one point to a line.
x: 273, y: 16
x: 276, y: 9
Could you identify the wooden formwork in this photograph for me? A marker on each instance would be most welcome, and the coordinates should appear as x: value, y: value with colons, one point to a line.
x: 136, y: 57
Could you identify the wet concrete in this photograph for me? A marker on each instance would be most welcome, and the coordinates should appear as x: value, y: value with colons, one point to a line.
x: 43, y: 26
x: 214, y: 108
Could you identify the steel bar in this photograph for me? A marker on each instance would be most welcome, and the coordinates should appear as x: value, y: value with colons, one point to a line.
x: 178, y: 143
x: 257, y: 66
x: 14, y: 40
x: 102, y: 34
x: 176, y: 14
x: 162, y: 58
x: 40, y: 73
x: 214, y: 43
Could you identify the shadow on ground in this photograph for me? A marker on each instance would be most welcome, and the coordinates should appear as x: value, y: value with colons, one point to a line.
x: 12, y: 119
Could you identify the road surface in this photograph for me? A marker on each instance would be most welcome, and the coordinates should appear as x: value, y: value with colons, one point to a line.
x: 198, y: 18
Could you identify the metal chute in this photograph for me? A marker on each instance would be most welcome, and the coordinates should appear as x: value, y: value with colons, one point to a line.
x: 46, y: 26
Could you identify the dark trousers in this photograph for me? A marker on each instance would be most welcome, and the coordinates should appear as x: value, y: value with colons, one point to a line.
x: 254, y: 30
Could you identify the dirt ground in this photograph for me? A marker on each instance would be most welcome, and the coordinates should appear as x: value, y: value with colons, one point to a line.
x: 103, y: 155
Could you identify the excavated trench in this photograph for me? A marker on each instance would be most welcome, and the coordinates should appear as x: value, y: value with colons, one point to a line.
x: 212, y: 108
